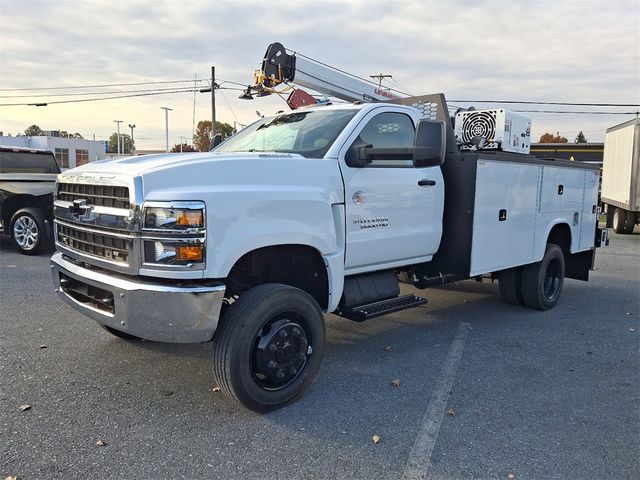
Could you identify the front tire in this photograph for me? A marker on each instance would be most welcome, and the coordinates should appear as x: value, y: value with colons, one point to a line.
x: 268, y: 348
x: 27, y: 231
x: 542, y: 281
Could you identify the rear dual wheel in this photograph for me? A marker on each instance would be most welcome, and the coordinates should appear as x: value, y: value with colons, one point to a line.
x: 537, y: 285
x: 268, y: 348
x: 542, y: 281
x: 623, y: 222
x: 510, y: 283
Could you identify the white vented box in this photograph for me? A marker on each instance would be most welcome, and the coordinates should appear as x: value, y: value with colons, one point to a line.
x: 502, y: 130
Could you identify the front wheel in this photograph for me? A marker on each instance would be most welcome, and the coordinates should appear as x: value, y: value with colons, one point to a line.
x: 27, y: 230
x: 542, y: 281
x: 268, y: 348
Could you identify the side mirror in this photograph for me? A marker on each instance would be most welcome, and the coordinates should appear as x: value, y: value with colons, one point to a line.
x: 357, y: 155
x: 215, y: 141
x: 429, y: 143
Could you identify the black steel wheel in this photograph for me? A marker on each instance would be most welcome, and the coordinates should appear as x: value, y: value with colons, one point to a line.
x: 542, y: 281
x: 268, y: 347
x: 27, y: 231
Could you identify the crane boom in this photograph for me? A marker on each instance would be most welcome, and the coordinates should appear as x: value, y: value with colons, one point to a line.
x: 282, y: 66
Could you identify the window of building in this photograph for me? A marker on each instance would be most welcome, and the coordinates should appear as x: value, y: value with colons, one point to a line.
x: 62, y: 157
x: 82, y: 157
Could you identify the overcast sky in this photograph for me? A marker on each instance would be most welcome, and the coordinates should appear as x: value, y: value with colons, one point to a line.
x: 575, y: 51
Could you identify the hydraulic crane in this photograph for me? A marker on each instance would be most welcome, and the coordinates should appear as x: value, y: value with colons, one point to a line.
x: 283, y: 67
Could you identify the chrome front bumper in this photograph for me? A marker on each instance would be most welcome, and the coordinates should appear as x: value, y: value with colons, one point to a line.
x: 156, y: 311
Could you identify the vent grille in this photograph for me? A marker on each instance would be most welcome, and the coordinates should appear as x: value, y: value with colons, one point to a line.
x: 101, y: 195
x: 479, y: 124
x: 95, y: 243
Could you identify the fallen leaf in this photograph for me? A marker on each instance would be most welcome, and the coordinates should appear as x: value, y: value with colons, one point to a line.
x: 43, y: 346
x: 632, y: 329
x: 451, y: 412
x: 375, y: 439
x: 629, y: 313
x: 101, y: 443
x: 511, y: 476
x: 396, y: 382
x: 215, y: 389
x: 24, y: 406
x: 167, y: 393
x: 387, y: 348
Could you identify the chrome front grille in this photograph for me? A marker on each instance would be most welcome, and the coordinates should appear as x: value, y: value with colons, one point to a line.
x: 97, y: 195
x: 98, y: 243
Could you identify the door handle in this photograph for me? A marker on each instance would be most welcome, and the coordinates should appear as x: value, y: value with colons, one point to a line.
x: 426, y: 183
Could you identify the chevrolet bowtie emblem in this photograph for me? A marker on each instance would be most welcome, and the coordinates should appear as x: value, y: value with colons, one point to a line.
x: 80, y: 207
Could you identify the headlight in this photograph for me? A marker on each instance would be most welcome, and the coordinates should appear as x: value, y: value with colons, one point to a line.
x: 174, y: 234
x: 175, y: 217
x: 167, y: 252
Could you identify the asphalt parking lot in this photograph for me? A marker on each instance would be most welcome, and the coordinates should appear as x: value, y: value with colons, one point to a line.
x: 486, y: 391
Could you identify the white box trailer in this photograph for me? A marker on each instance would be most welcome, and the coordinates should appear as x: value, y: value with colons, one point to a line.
x: 621, y: 171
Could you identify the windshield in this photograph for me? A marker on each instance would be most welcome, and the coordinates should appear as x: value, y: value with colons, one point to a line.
x: 309, y: 133
x: 27, y: 162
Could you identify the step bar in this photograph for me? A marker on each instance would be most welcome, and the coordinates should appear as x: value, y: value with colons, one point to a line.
x: 383, y: 307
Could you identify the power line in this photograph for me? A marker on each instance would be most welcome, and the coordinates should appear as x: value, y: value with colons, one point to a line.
x: 579, y: 113
x: 76, y: 94
x: 44, y: 104
x: 529, y: 102
x: 95, y: 86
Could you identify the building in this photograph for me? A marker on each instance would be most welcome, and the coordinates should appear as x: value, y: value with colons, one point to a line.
x: 578, y: 152
x: 69, y: 152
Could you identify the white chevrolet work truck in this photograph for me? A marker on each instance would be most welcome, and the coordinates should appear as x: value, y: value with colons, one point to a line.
x: 320, y: 210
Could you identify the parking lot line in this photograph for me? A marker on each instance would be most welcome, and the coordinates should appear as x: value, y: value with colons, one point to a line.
x: 420, y: 457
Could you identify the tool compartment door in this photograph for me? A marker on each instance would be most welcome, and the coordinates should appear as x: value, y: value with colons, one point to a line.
x: 504, y: 215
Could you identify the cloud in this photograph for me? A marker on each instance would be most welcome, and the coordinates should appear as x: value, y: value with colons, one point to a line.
x: 583, y: 51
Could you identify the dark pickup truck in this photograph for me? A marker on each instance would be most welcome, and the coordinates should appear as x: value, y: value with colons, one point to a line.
x: 27, y: 183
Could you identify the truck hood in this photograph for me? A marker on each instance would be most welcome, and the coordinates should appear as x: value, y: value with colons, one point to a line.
x: 134, y: 166
x: 195, y: 176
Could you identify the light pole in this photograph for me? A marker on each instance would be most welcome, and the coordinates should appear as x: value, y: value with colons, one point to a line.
x: 118, y: 122
x: 166, y: 126
x: 131, y: 126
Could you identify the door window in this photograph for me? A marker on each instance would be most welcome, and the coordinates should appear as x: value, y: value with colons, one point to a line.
x: 389, y: 130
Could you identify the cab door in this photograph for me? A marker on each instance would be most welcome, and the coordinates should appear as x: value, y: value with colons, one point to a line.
x: 393, y: 210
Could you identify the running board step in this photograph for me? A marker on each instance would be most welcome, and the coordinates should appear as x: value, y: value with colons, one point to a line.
x: 377, y: 309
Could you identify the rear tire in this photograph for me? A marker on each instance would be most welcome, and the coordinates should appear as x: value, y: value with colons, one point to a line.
x: 510, y: 283
x: 623, y: 221
x: 619, y: 220
x: 630, y: 223
x: 28, y: 231
x: 268, y: 348
x: 542, y: 281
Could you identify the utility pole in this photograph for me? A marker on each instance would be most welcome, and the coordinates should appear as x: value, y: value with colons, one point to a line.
x: 213, y: 103
x: 132, y: 126
x: 380, y: 77
x: 118, y: 122
x: 166, y: 126
x: 181, y: 137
